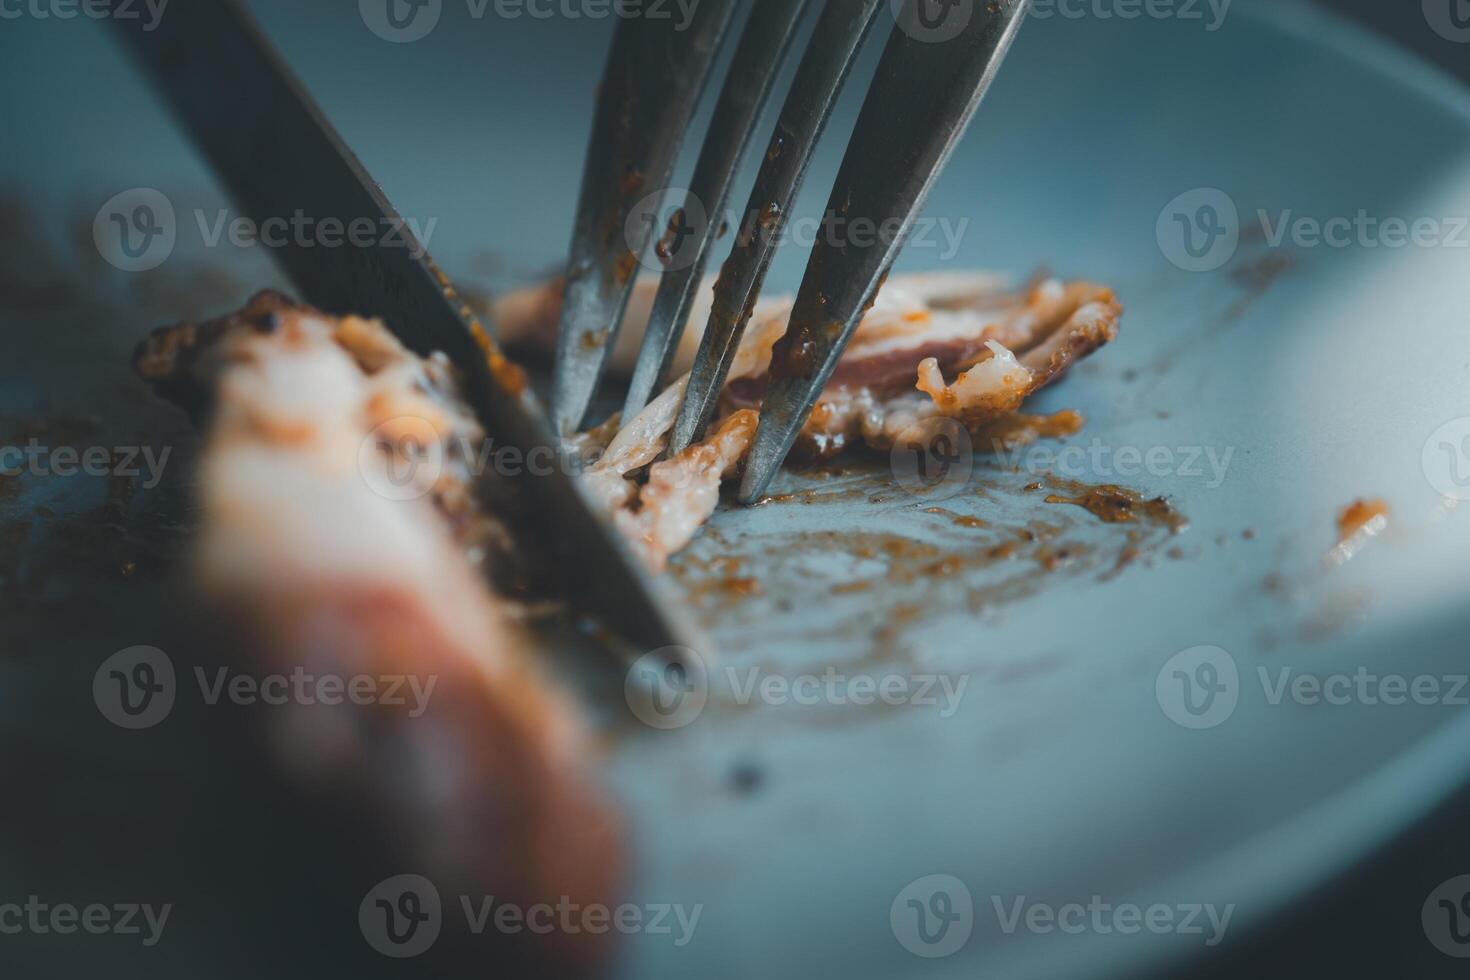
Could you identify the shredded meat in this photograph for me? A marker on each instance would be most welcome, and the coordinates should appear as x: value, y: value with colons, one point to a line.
x: 683, y: 492
x: 1000, y: 345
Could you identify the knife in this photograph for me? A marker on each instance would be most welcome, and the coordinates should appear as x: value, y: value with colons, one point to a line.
x: 280, y: 157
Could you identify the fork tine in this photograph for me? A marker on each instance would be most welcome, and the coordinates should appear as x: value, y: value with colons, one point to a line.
x: 763, y: 46
x: 654, y: 79
x: 835, y: 43
x: 924, y: 95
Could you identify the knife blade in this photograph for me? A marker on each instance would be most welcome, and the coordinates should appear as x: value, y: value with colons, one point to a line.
x: 280, y: 157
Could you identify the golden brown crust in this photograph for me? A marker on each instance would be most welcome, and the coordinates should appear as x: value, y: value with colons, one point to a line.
x: 172, y: 358
x: 311, y: 556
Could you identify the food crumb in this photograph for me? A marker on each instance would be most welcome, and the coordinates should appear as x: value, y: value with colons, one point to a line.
x: 1369, y: 516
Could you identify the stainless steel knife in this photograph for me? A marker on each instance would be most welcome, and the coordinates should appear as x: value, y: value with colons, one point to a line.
x: 279, y: 157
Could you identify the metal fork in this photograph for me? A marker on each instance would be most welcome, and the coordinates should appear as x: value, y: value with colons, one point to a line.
x: 938, y: 64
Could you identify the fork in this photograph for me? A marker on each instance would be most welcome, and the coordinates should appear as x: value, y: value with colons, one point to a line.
x: 939, y: 62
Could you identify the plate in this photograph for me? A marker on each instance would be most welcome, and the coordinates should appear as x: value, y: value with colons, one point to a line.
x: 1069, y: 733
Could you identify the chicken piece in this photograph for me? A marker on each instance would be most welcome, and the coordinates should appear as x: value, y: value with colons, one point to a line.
x: 341, y: 533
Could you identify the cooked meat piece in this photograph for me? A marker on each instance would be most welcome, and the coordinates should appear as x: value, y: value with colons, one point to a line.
x: 683, y: 492
x: 341, y: 533
x: 1002, y: 345
x: 994, y: 387
x: 643, y: 440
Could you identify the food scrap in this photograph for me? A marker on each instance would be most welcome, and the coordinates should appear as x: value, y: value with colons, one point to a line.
x: 342, y: 527
x: 1000, y: 346
x: 1362, y: 516
x: 1357, y: 524
x: 1113, y: 504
